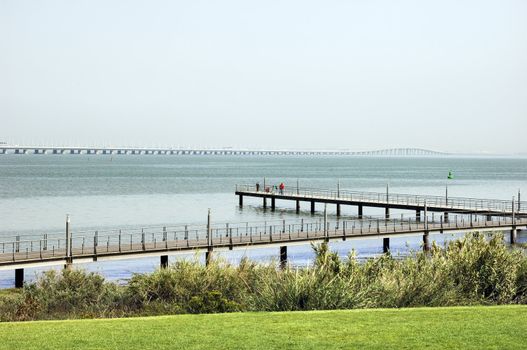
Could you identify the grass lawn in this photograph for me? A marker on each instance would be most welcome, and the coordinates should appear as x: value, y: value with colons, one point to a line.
x: 502, y: 327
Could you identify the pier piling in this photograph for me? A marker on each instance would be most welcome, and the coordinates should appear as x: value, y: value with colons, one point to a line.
x: 19, y: 278
x: 426, y: 241
x: 164, y: 261
x: 208, y: 256
x: 386, y: 245
x: 513, y: 236
x: 283, y: 257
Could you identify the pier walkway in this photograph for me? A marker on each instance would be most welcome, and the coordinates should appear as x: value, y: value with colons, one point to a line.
x: 384, y: 200
x: 72, y: 247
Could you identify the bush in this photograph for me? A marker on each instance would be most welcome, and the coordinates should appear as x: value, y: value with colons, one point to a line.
x: 211, y: 302
x: 72, y: 293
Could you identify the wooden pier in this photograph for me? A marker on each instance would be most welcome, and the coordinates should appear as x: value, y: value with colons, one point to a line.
x: 73, y: 247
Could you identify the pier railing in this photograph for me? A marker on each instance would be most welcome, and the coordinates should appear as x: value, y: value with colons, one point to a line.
x: 452, y: 203
x: 228, y: 235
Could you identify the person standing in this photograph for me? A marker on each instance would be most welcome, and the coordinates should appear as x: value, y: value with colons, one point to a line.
x: 282, y: 187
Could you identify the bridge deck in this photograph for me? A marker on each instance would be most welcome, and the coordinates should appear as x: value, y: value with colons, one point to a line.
x: 162, y: 241
x: 42, y: 149
x: 387, y: 200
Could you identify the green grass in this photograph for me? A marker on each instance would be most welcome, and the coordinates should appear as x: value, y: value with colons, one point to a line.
x: 496, y: 327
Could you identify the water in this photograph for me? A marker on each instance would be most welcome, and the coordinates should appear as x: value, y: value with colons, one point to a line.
x: 102, y: 192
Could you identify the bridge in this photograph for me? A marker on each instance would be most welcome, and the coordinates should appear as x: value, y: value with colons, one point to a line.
x: 72, y: 247
x: 393, y: 152
x: 386, y: 200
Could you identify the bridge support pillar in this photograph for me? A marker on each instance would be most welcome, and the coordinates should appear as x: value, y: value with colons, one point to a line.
x: 265, y: 203
x: 164, y: 261
x: 514, y: 235
x: 273, y: 206
x: 240, y: 200
x: 312, y: 207
x: 19, y: 278
x: 386, y: 245
x: 418, y: 215
x: 387, y: 213
x: 426, y: 242
x: 208, y: 256
x: 360, y: 211
x: 445, y: 217
x: 338, y: 209
x: 283, y: 257
x: 489, y: 217
x: 297, y: 207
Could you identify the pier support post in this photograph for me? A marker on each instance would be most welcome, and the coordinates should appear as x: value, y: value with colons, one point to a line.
x: 19, y: 278
x: 360, y: 211
x: 338, y: 209
x: 208, y: 256
x: 514, y: 235
x: 386, y: 245
x: 312, y: 207
x: 240, y: 200
x: 273, y: 206
x: 264, y: 202
x: 445, y: 216
x: 489, y: 217
x: 164, y: 261
x: 283, y: 257
x: 426, y: 242
x: 297, y: 207
x: 418, y: 215
x: 387, y: 212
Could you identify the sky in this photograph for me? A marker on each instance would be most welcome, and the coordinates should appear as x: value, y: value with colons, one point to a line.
x: 447, y: 75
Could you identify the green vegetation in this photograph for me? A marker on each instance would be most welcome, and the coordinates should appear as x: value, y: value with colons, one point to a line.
x: 474, y: 270
x: 497, y: 327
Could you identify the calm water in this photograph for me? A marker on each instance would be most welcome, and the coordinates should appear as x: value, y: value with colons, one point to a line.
x: 36, y: 192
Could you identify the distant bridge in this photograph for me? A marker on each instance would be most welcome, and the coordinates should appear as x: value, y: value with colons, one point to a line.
x: 397, y: 152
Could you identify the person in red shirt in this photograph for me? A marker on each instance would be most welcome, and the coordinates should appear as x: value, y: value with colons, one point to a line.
x: 282, y: 187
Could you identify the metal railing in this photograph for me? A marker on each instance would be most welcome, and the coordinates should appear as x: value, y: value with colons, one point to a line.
x: 453, y: 203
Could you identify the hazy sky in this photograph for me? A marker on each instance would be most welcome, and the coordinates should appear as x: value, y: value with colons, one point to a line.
x: 447, y: 75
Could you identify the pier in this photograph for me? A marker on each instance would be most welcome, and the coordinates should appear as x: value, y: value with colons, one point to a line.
x: 74, y: 247
x: 386, y: 200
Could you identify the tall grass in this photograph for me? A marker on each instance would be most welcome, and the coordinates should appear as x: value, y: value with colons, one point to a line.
x: 473, y: 270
